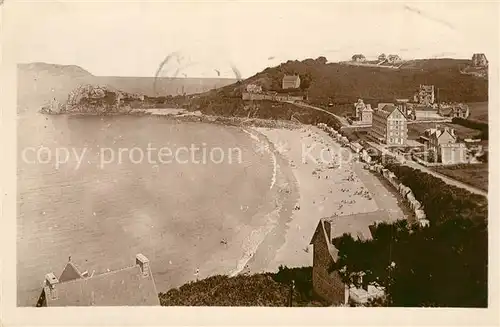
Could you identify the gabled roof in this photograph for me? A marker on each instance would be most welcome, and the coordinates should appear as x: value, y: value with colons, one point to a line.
x: 381, y: 105
x: 70, y: 272
x: 388, y: 110
x: 116, y: 288
x: 357, y: 225
x: 398, y: 110
x: 367, y: 108
x: 385, y: 111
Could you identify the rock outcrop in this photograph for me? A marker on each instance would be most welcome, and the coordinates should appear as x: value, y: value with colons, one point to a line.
x: 96, y: 99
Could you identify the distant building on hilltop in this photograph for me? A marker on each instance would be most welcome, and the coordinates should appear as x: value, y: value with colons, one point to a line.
x: 425, y: 95
x: 389, y: 126
x: 132, y: 286
x: 291, y: 82
x: 479, y: 60
x: 393, y: 59
x: 358, y: 58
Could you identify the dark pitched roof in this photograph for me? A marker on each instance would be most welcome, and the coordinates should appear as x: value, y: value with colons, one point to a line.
x: 125, y: 287
x: 70, y: 272
x: 446, y: 111
x: 357, y: 225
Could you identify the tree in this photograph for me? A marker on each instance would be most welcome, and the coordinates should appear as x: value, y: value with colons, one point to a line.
x: 305, y: 81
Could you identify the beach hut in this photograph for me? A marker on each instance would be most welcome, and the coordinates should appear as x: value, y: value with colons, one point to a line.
x: 393, y: 179
x: 404, y: 190
x: 356, y: 147
x: 410, y: 197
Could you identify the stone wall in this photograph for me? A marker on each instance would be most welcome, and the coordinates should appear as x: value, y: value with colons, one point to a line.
x: 271, y: 97
x: 328, y: 286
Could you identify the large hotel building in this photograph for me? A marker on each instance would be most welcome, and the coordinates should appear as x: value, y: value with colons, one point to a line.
x: 389, y: 126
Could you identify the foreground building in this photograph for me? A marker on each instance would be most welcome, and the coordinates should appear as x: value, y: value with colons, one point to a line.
x: 291, y: 82
x: 389, y: 126
x: 131, y: 286
x: 328, y: 283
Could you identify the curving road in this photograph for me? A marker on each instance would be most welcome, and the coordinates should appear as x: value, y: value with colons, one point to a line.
x: 446, y: 179
x: 412, y: 164
x: 342, y: 120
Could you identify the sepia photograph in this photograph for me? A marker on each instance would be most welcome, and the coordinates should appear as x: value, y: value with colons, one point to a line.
x: 252, y: 154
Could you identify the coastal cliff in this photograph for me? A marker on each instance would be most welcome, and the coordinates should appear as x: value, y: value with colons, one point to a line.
x: 100, y: 99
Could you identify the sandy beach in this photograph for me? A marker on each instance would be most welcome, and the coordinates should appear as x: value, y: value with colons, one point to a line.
x: 328, y: 183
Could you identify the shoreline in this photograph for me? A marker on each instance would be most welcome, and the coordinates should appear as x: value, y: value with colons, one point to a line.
x: 300, y: 192
x: 184, y: 115
x: 323, y: 189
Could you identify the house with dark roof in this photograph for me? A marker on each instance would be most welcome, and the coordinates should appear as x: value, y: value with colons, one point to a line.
x: 328, y: 283
x: 444, y: 143
x: 393, y: 59
x: 389, y: 126
x: 479, y: 60
x: 459, y: 110
x: 129, y: 286
x: 291, y: 82
x: 358, y: 58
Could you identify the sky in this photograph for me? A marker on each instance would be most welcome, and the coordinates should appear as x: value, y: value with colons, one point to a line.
x: 212, y: 39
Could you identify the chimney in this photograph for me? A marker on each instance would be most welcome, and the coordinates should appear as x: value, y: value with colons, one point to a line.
x: 143, y: 263
x: 328, y: 228
x: 50, y: 286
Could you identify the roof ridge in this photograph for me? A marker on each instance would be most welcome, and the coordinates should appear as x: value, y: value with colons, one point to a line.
x: 107, y: 273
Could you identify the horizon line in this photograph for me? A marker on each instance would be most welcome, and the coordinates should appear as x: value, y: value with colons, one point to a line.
x: 230, y: 78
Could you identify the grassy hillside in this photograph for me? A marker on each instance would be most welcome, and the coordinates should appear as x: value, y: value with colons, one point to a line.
x: 340, y: 85
x: 266, y: 289
x: 479, y: 111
